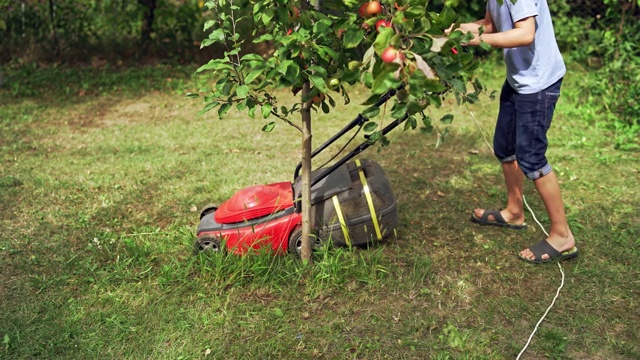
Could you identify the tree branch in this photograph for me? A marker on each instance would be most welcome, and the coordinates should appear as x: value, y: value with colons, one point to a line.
x: 286, y: 120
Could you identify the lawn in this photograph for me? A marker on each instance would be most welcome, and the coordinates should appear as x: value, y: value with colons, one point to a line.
x: 103, y: 172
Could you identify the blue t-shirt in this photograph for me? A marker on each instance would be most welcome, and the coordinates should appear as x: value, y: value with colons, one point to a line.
x: 535, y: 67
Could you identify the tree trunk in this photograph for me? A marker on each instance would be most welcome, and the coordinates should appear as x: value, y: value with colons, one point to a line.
x: 147, y: 23
x: 305, y: 199
x: 52, y: 18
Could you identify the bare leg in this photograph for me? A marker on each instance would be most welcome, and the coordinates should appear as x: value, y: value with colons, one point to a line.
x: 560, y: 236
x: 514, y: 178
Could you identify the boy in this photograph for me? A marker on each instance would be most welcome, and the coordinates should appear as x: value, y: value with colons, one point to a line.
x: 535, y: 70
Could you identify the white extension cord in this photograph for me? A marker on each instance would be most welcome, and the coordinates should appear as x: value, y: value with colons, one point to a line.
x: 557, y: 292
x: 546, y: 233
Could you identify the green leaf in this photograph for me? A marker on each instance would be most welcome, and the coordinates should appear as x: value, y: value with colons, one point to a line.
x: 216, y: 64
x: 288, y: 68
x: 445, y: 18
x: 252, y: 57
x: 208, y: 107
x: 385, y: 79
x: 253, y: 75
x: 322, y: 26
x: 325, y: 107
x: 317, y: 70
x: 192, y: 95
x: 209, y: 24
x: 351, y: 38
x: 433, y: 86
x: 292, y: 73
x: 331, y: 52
x: 410, y: 123
x: 485, y: 46
x: 414, y: 12
x: 266, y: 110
x: 458, y: 85
x: 223, y: 109
x: 372, y: 100
x: 352, y: 3
x: 371, y: 112
x: 269, y: 127
x: 472, y: 98
x: 217, y: 35
x: 427, y: 124
x: 263, y: 38
x: 383, y: 39
x: 370, y: 126
x: 447, y: 119
x: 242, y: 91
x: 399, y: 110
x: 266, y: 17
x: 206, y: 42
x: 319, y: 82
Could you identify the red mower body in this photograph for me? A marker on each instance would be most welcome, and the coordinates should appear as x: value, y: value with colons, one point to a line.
x: 260, y: 216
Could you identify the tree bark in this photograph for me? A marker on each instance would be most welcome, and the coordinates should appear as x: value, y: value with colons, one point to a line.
x: 147, y: 23
x: 305, y: 199
x: 52, y: 18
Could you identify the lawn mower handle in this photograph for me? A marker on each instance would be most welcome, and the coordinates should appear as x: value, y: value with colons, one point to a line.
x: 358, y: 121
x: 357, y: 151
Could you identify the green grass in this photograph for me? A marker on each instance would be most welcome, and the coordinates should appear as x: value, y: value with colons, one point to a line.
x: 102, y: 169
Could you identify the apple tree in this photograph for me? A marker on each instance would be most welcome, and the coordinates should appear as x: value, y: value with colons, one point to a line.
x: 321, y: 48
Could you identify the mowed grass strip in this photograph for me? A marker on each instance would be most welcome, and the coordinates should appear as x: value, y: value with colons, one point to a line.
x: 99, y: 185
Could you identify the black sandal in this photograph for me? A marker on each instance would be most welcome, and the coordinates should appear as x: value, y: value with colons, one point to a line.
x: 543, y: 247
x: 498, y: 220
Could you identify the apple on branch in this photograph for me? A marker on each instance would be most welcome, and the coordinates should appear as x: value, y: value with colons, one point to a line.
x: 370, y: 9
x: 392, y: 55
x: 382, y: 22
x: 294, y: 13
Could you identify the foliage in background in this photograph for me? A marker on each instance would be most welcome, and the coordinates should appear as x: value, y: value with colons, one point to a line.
x: 605, y: 37
x: 600, y: 35
x: 66, y: 30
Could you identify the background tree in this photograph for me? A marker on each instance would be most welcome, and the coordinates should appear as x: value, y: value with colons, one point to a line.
x: 384, y: 45
x: 147, y: 21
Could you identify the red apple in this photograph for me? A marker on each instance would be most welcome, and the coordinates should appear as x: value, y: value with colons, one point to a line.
x: 382, y: 22
x: 318, y: 98
x: 363, y: 10
x: 374, y: 8
x: 392, y: 54
x: 370, y: 9
x: 294, y: 13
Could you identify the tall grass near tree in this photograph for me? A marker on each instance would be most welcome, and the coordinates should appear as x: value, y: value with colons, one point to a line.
x: 102, y: 177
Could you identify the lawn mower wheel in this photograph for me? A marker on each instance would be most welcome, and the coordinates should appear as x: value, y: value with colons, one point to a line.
x: 207, y: 244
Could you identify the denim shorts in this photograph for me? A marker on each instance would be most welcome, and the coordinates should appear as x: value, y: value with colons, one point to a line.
x: 521, y: 129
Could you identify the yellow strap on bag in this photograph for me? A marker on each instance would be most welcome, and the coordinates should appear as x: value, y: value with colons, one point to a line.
x: 367, y: 194
x: 343, y: 224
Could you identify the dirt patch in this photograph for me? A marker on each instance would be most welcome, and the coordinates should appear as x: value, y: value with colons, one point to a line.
x: 107, y: 112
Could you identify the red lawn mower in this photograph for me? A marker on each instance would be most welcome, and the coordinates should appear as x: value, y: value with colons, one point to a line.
x: 352, y: 204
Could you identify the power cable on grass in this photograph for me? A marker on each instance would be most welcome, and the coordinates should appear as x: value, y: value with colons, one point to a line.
x: 535, y: 329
